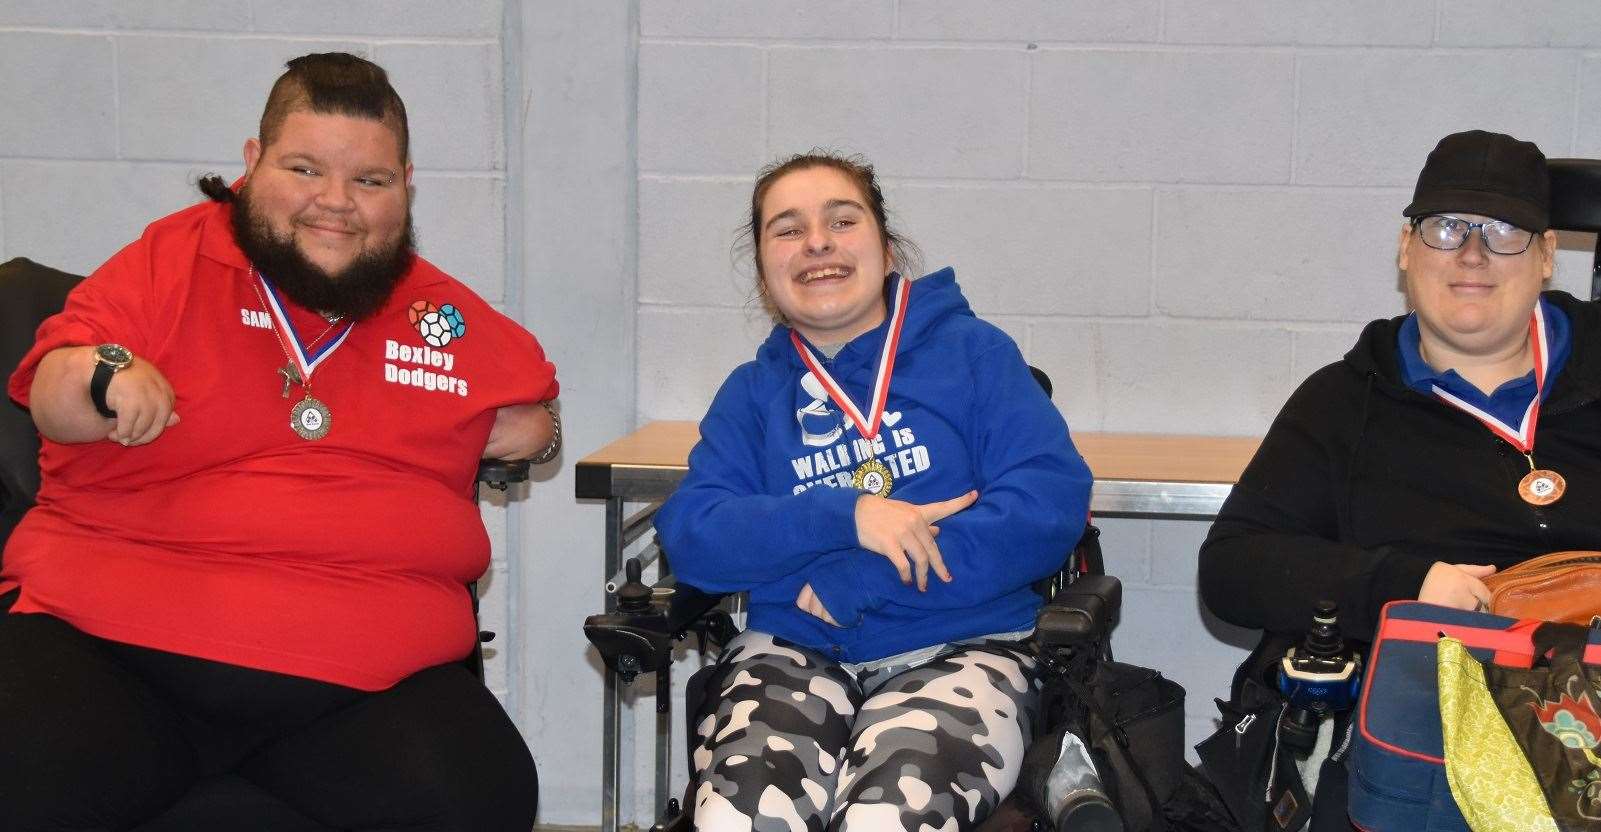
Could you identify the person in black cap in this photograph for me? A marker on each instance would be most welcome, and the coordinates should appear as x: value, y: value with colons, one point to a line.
x: 1448, y: 443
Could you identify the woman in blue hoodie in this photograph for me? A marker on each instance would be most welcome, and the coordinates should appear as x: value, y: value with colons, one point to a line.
x: 886, y: 480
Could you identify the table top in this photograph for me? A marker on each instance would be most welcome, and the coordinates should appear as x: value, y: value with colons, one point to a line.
x: 1136, y: 474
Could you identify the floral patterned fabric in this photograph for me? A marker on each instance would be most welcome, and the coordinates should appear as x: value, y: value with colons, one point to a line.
x: 1551, y: 712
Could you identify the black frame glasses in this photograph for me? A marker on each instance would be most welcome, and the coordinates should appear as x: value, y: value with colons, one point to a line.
x: 1428, y: 238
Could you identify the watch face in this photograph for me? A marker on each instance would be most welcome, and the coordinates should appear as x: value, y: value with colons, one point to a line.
x: 116, y: 355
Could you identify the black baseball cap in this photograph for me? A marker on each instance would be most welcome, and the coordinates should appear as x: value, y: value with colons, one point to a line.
x: 1484, y: 173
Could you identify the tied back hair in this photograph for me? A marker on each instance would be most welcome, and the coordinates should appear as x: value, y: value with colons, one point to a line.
x: 213, y: 186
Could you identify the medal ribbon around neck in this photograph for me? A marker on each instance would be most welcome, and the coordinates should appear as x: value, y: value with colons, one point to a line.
x: 308, y: 361
x: 1522, y: 439
x: 868, y: 424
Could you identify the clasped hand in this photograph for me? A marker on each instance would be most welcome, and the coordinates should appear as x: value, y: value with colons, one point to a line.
x: 143, y: 400
x: 904, y: 534
x: 1457, y: 585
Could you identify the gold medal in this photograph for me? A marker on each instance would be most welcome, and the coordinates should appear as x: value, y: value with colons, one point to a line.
x: 1541, y: 487
x: 310, y: 419
x: 872, y: 477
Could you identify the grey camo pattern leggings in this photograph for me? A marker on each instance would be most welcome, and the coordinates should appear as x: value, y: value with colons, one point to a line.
x: 790, y: 740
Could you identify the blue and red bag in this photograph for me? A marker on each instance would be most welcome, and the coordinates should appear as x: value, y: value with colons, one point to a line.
x: 1397, y: 763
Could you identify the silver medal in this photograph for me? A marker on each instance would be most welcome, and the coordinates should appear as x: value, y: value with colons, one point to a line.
x: 310, y: 419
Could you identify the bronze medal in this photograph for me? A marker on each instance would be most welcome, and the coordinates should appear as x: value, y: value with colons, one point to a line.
x: 1541, y: 487
x: 310, y: 419
x: 872, y: 477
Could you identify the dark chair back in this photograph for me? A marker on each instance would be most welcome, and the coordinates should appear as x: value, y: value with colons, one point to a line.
x: 29, y: 293
x: 1576, y: 204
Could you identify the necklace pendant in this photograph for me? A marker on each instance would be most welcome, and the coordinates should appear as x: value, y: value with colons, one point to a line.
x: 291, y: 375
x: 1541, y: 487
x: 310, y: 419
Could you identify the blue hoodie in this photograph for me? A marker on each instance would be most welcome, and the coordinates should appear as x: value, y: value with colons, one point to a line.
x: 768, y: 507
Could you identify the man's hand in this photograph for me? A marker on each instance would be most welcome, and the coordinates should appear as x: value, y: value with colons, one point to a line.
x: 63, y: 412
x: 807, y: 600
x: 520, y: 431
x: 1457, y: 585
x: 904, y: 533
x: 143, y: 400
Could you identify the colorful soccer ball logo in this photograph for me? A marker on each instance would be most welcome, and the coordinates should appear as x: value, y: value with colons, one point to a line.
x: 438, y: 326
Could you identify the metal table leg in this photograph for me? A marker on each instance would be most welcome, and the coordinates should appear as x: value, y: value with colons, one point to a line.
x: 611, y: 718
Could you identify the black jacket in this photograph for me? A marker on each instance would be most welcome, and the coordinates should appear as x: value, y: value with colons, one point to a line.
x: 1362, y: 484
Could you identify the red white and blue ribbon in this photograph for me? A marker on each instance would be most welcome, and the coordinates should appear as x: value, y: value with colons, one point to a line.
x: 1521, y: 437
x: 308, y: 358
x: 866, y: 424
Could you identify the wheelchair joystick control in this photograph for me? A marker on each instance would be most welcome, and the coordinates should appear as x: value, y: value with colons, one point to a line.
x: 1320, y: 677
x: 633, y: 596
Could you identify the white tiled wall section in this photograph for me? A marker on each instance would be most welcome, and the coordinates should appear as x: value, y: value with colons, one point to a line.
x: 1192, y: 188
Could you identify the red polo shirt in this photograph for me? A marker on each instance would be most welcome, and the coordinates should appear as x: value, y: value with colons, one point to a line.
x: 232, y: 538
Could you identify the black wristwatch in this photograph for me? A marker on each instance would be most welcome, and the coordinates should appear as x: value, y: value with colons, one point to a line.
x: 109, y: 358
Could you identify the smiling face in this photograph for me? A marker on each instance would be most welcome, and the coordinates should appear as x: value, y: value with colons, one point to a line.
x: 1471, y: 302
x: 334, y: 185
x: 822, y: 256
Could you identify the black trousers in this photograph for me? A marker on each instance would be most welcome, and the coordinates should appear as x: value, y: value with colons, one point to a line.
x: 97, y: 735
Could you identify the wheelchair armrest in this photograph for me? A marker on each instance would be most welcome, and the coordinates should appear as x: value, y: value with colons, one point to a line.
x: 640, y: 640
x: 688, y: 607
x: 1080, y: 613
x: 499, y: 473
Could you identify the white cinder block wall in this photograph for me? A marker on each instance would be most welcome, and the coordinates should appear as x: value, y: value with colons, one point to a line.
x: 1179, y: 208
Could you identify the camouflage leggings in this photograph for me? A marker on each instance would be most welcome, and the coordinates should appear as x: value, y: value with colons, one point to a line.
x: 792, y: 741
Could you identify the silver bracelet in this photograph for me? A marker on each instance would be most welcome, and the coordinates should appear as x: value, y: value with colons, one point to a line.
x: 550, y: 451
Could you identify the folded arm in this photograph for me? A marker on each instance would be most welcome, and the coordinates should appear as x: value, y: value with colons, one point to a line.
x: 1033, y: 501
x: 722, y: 531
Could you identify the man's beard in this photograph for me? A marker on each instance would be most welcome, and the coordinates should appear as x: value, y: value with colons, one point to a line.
x: 358, y: 291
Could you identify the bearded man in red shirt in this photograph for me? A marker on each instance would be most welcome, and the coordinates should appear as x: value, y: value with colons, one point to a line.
x: 261, y: 423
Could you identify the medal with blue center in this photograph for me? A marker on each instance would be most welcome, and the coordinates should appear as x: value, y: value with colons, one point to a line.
x: 1541, y: 486
x: 309, y: 418
x: 872, y: 476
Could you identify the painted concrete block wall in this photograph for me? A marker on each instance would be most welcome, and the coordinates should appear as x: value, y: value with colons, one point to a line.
x: 1179, y: 208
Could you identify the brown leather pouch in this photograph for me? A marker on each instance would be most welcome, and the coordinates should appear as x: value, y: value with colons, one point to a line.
x: 1561, y: 586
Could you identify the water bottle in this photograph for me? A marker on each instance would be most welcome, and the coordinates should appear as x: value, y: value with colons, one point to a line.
x: 1073, y: 796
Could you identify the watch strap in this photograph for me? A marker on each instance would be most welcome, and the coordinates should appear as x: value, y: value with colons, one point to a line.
x: 97, y: 388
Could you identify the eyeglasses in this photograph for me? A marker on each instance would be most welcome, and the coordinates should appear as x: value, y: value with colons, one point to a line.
x: 1448, y: 233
